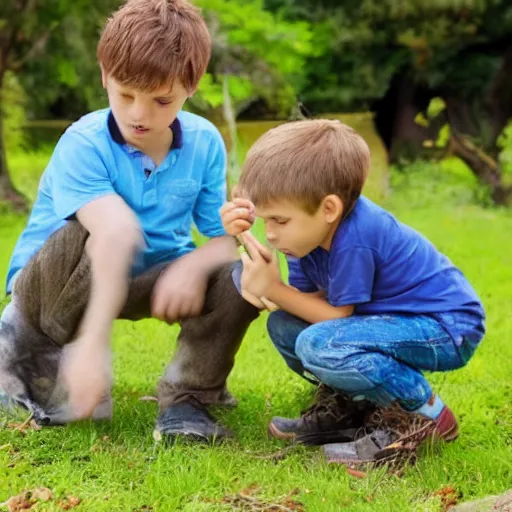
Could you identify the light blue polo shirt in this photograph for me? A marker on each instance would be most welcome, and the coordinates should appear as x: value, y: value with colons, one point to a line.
x: 92, y: 160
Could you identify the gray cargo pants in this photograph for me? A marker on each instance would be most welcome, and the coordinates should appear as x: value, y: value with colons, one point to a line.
x: 49, y: 298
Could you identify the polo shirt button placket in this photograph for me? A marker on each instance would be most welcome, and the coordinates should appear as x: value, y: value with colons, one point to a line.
x: 149, y: 196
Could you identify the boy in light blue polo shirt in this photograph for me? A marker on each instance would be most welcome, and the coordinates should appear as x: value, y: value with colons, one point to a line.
x: 370, y: 304
x: 109, y: 236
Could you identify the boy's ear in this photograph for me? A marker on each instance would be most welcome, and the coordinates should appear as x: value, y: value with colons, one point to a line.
x: 332, y: 207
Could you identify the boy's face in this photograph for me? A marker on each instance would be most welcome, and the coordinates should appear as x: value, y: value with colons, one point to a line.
x: 144, y: 117
x: 294, y: 231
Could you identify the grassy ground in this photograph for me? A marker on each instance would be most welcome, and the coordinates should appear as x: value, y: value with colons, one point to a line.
x: 117, y: 466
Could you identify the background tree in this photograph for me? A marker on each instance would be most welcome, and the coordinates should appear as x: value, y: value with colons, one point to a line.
x: 47, y: 45
x: 255, y: 57
x: 393, y: 57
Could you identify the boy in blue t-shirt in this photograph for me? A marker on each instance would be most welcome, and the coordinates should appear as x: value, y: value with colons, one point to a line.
x: 109, y: 237
x: 371, y: 302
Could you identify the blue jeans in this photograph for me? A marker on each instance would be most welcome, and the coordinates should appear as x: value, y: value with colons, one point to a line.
x: 378, y: 358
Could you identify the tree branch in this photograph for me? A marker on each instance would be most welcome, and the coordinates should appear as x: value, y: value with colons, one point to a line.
x: 37, y: 47
x: 22, y: 10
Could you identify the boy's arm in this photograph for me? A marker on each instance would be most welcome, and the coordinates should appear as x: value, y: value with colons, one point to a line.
x: 81, y: 185
x: 261, y: 278
x: 309, y: 306
x: 114, y: 238
x: 180, y: 291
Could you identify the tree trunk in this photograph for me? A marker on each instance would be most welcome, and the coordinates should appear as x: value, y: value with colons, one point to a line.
x: 394, y: 119
x: 485, y: 168
x: 501, y: 97
x: 7, y: 191
x: 230, y: 118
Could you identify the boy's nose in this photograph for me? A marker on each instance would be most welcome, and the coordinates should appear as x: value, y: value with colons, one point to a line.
x: 138, y: 113
x: 271, y: 237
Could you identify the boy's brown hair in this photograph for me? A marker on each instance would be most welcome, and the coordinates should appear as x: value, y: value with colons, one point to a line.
x: 147, y: 44
x: 303, y: 162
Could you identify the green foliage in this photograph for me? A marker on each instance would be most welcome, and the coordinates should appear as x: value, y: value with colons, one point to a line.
x: 363, y: 44
x: 263, y: 55
x: 210, y: 94
x: 66, y: 72
x: 435, y: 107
x: 444, y: 136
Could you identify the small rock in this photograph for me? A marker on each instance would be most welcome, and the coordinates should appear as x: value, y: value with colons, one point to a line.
x: 501, y: 503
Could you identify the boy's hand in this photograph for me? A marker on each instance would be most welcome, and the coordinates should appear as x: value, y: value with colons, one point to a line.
x: 237, y: 216
x: 87, y: 373
x: 180, y: 291
x: 261, y: 269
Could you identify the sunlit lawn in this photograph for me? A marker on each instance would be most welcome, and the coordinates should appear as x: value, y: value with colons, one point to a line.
x: 117, y: 466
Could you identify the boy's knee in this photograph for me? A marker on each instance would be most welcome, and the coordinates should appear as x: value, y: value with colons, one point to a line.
x: 315, y: 350
x: 284, y: 328
x: 304, y: 350
x: 276, y: 325
x: 223, y: 296
x: 312, y: 347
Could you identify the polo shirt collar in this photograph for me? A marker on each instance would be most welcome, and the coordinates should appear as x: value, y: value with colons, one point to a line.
x: 115, y: 132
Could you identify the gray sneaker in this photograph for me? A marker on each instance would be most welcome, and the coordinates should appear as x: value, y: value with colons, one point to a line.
x: 189, y: 420
x: 392, y: 436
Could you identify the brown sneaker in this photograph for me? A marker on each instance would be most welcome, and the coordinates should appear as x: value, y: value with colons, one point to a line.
x: 392, y: 435
x: 332, y: 417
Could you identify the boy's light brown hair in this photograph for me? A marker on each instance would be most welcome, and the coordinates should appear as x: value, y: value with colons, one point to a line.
x: 147, y: 44
x: 303, y: 162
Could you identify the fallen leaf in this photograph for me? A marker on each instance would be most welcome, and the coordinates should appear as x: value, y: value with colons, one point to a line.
x: 356, y: 473
x: 247, y: 501
x: 449, y: 497
x: 27, y: 499
x: 42, y: 494
x: 16, y: 503
x: 28, y: 424
x: 69, y: 502
x: 248, y: 491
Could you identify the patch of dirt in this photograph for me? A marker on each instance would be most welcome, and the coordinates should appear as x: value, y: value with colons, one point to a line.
x: 29, y: 500
x: 69, y: 502
x: 247, y: 500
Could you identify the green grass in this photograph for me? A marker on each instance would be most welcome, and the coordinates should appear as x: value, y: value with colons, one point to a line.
x: 117, y: 466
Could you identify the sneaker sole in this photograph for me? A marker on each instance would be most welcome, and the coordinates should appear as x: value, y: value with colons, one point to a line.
x: 273, y: 431
x: 189, y: 435
x: 450, y: 435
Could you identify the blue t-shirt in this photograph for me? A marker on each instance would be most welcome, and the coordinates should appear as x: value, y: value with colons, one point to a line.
x: 382, y: 266
x: 92, y: 160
